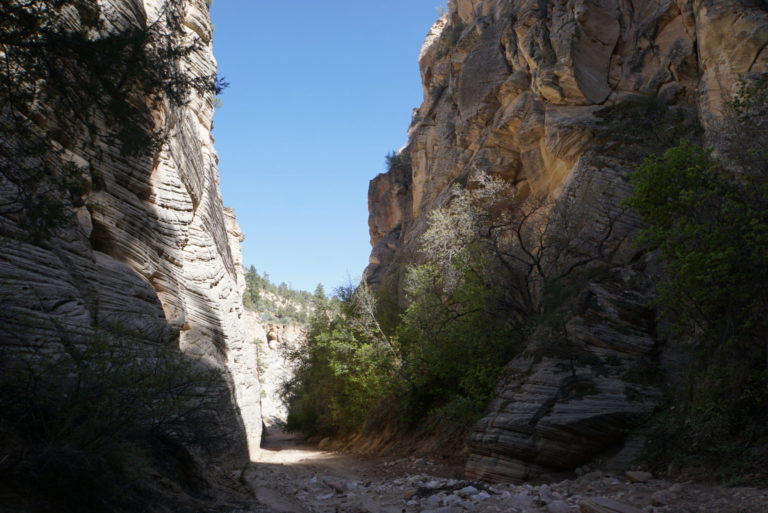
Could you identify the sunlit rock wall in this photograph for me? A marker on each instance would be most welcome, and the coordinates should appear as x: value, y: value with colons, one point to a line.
x: 510, y: 89
x: 152, y: 251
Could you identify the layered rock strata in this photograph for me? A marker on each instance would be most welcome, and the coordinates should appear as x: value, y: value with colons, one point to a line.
x: 515, y: 90
x: 151, y: 250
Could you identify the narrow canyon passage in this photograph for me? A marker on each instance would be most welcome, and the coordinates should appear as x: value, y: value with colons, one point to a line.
x: 557, y: 280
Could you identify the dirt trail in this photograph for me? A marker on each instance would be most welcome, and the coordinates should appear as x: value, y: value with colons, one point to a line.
x: 295, y: 477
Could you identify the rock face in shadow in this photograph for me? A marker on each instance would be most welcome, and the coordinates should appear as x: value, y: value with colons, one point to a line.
x: 147, y: 248
x: 576, y: 395
x: 512, y: 89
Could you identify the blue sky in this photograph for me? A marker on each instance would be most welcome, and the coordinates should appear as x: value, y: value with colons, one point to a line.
x: 320, y: 92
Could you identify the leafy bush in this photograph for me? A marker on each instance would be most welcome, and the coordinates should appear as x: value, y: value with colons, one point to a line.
x: 452, y: 33
x: 743, y: 136
x: 712, y: 231
x: 634, y: 129
x: 711, y: 228
x: 400, y: 160
x: 454, y: 340
x: 489, y: 258
x: 343, y: 370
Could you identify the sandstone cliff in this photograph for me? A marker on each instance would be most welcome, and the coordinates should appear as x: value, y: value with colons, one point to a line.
x: 516, y: 90
x: 146, y: 246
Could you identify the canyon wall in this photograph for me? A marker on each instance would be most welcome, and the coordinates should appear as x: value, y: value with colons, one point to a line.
x: 521, y: 90
x: 146, y: 247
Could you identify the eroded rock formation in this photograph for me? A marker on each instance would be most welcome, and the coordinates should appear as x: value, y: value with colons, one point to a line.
x: 150, y: 249
x: 512, y: 89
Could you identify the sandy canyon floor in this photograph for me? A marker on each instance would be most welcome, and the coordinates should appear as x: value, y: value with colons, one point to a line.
x: 296, y: 477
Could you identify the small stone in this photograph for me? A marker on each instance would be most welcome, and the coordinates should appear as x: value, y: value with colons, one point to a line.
x: 453, y: 500
x: 468, y: 491
x: 408, y: 494
x: 435, y: 500
x: 324, y: 497
x: 638, y: 476
x: 482, y: 496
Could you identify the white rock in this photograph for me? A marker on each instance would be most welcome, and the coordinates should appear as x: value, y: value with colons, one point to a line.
x: 452, y: 500
x: 483, y: 495
x: 435, y: 500
x: 468, y: 491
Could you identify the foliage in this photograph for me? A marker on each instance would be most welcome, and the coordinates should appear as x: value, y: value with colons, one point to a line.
x: 69, y: 77
x: 493, y: 261
x: 279, y: 303
x: 81, y: 420
x: 400, y: 160
x: 711, y: 227
x: 744, y: 135
x: 343, y: 370
x: 454, y: 340
x: 712, y: 231
x: 489, y: 257
x: 452, y: 32
x: 634, y: 129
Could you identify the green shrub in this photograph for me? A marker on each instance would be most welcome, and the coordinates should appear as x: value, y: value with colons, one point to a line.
x: 465, y: 313
x: 633, y: 129
x: 345, y: 367
x: 452, y: 33
x: 400, y: 160
x: 454, y: 342
x: 712, y: 231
